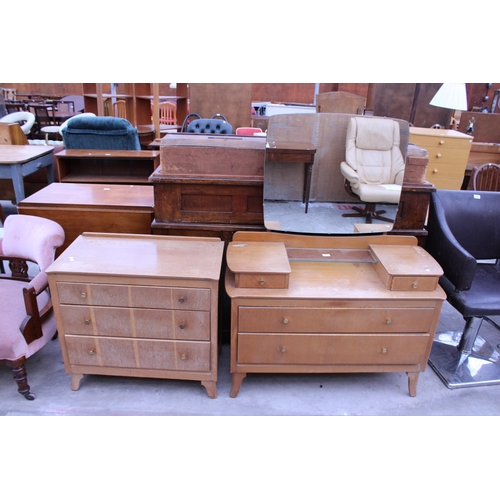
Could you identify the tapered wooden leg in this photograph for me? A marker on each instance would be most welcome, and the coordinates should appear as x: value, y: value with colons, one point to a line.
x: 412, y: 383
x: 75, y: 381
x: 236, y: 383
x: 21, y: 378
x: 211, y: 388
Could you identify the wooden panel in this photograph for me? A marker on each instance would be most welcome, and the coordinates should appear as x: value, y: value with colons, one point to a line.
x: 233, y: 100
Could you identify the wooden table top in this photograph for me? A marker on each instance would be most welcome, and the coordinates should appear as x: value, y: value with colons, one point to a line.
x: 104, y: 153
x: 21, y: 154
x: 123, y: 196
x: 149, y: 256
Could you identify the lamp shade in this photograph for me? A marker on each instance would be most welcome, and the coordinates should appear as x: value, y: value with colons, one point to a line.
x: 451, y: 96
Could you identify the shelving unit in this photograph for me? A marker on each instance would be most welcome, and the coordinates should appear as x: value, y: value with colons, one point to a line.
x: 138, y: 97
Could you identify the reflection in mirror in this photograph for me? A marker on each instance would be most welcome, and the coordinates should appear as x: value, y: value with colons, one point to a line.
x: 305, y: 189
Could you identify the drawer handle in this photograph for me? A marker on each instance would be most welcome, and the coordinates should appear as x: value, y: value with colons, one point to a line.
x: 182, y: 326
x: 92, y: 352
x: 262, y: 282
x: 384, y: 350
x: 414, y: 284
x: 435, y: 171
x: 283, y: 349
x: 285, y: 321
x: 438, y: 155
x: 83, y: 295
x: 388, y: 321
x: 441, y: 142
x: 183, y: 356
x: 87, y: 321
x: 181, y: 300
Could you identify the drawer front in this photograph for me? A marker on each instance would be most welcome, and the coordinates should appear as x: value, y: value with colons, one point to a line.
x: 334, y: 320
x: 150, y: 297
x: 144, y: 354
x: 329, y: 349
x: 140, y: 323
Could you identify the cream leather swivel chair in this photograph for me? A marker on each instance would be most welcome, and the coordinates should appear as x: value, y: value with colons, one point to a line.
x: 374, y: 166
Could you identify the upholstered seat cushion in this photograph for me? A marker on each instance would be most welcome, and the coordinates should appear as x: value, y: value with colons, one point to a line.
x: 13, y: 345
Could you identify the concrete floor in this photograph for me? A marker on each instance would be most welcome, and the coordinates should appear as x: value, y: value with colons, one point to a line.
x: 380, y: 394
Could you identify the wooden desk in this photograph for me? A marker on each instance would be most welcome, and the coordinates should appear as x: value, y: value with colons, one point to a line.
x: 106, y: 166
x: 294, y: 152
x: 349, y: 305
x: 16, y: 162
x: 105, y: 208
x: 138, y: 306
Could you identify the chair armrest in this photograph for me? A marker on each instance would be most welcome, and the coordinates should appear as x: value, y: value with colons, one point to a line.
x: 31, y: 327
x: 458, y: 264
x: 350, y: 174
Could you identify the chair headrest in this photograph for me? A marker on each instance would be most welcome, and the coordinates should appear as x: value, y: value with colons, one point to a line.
x: 99, y: 123
x: 376, y: 134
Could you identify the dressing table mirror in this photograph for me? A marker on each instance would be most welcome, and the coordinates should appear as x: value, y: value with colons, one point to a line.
x: 303, y: 184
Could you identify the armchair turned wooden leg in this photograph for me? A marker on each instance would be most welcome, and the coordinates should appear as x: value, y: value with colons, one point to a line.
x: 21, y: 378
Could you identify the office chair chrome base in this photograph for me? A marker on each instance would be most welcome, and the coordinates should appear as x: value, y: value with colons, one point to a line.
x: 481, y: 367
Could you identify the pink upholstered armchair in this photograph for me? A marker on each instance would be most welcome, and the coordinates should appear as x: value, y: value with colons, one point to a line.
x: 27, y: 320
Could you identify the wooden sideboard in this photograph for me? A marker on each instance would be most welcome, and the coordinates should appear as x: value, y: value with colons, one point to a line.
x: 106, y: 166
x: 138, y: 306
x: 99, y: 208
x: 330, y: 305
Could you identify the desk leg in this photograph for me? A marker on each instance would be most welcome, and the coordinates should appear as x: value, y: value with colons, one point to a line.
x: 307, y: 184
x: 17, y: 182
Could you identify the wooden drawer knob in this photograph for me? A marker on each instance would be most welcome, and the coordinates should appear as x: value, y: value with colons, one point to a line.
x: 438, y: 155
x: 181, y: 300
x: 262, y: 282
x: 384, y: 350
x: 183, y: 356
x: 414, y: 284
x: 435, y: 171
x: 285, y: 321
x: 92, y: 352
x: 388, y: 321
x: 83, y: 295
x: 182, y: 326
x: 441, y: 142
x: 87, y: 321
x: 283, y: 349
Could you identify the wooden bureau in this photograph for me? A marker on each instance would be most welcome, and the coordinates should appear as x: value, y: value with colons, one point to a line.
x: 349, y: 304
x: 448, y: 155
x: 138, y: 306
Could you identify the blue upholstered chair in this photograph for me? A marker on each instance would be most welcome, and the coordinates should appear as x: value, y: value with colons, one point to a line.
x: 100, y: 132
x: 209, y: 126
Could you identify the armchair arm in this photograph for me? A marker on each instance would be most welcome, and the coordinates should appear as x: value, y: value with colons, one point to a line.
x: 31, y: 327
x: 458, y: 264
x: 350, y: 174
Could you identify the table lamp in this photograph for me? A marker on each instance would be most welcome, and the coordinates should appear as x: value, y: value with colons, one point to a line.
x: 451, y: 96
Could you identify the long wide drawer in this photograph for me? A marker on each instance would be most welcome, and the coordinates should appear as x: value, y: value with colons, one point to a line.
x: 138, y: 353
x: 140, y: 323
x: 150, y: 297
x: 334, y: 320
x: 331, y: 349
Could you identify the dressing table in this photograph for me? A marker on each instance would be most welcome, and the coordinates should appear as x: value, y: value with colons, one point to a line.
x: 322, y: 304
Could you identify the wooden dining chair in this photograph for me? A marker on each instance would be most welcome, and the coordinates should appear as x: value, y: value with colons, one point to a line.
x: 485, y: 177
x: 168, y: 113
x: 120, y: 109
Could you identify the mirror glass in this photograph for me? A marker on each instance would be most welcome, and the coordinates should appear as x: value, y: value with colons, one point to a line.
x: 292, y: 140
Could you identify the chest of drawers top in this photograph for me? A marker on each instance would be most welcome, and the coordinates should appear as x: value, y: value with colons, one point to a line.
x: 143, y: 257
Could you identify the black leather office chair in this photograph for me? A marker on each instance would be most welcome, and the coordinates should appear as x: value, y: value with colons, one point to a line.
x: 464, y: 237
